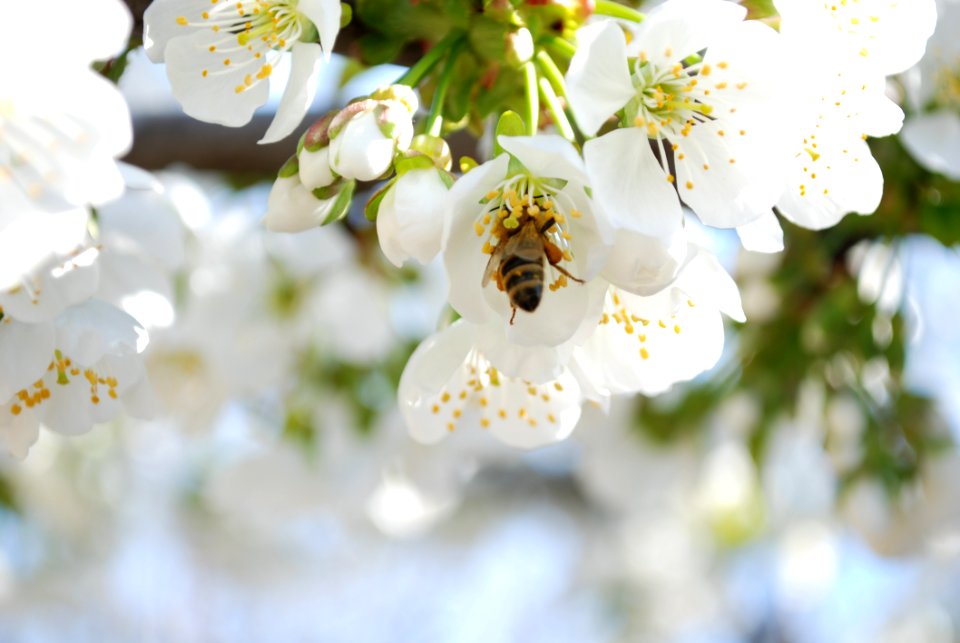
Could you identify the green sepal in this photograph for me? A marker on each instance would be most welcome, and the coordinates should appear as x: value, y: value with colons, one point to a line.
x: 467, y: 163
x: 410, y: 160
x: 290, y: 168
x: 346, y: 14
x: 447, y: 178
x: 510, y: 124
x: 515, y: 167
x: 310, y: 33
x: 372, y: 209
x: 342, y: 205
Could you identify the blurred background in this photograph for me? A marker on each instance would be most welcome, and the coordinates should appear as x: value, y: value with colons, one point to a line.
x: 804, y: 490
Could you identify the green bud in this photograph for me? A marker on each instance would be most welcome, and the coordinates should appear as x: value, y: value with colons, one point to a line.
x: 519, y: 47
x: 510, y: 124
x: 467, y: 163
x: 434, y: 147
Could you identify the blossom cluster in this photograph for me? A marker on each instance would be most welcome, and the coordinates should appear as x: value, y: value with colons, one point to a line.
x: 84, y: 241
x: 570, y: 262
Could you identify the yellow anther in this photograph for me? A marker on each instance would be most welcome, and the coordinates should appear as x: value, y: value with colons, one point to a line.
x: 644, y: 353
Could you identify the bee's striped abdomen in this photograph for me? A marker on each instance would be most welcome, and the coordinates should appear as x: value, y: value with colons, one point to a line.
x: 523, y: 280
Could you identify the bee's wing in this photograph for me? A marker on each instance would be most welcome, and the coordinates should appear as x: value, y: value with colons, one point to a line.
x: 493, y: 263
x: 526, y: 244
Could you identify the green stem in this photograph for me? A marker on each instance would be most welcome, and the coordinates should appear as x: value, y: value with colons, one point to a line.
x: 551, y: 72
x: 556, y: 110
x: 531, y: 96
x: 563, y: 48
x: 617, y: 10
x: 415, y: 75
x: 435, y: 118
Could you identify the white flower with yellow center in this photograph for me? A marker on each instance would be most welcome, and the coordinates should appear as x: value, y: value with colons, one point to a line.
x: 92, y: 371
x: 832, y: 170
x: 451, y: 382
x: 220, y: 55
x: 933, y: 137
x: 522, y: 242
x: 695, y: 93
x: 61, y: 124
x: 648, y: 344
x: 887, y: 35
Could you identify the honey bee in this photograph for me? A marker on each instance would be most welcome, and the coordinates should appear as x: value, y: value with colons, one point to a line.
x: 517, y: 263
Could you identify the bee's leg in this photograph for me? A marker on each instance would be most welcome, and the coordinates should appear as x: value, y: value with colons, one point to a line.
x: 514, y: 315
x: 564, y: 271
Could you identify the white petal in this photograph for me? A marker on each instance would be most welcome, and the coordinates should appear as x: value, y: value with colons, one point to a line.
x: 598, y: 80
x: 678, y: 28
x: 213, y: 98
x: 160, y: 24
x: 360, y: 150
x: 18, y: 432
x: 413, y: 208
x: 325, y: 15
x: 550, y: 411
x: 640, y: 349
x: 645, y: 265
x: 548, y: 156
x: 629, y: 186
x: 25, y: 352
x: 293, y: 208
x: 723, y: 193
x: 428, y: 371
x: 848, y: 179
x: 934, y: 141
x: 463, y: 258
x: 298, y: 94
x: 315, y: 169
x: 762, y: 235
x: 705, y: 281
x: 89, y: 331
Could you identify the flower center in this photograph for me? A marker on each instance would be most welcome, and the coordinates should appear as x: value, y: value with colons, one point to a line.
x: 520, y: 200
x: 478, y: 388
x: 948, y: 86
x: 252, y: 29
x: 60, y: 371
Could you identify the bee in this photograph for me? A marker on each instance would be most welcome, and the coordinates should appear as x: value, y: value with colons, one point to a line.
x: 517, y: 263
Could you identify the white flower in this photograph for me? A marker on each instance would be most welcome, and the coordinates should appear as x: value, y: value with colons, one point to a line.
x: 450, y: 382
x: 141, y: 244
x: 410, y: 218
x: 93, y: 371
x: 540, y: 181
x: 832, y: 170
x: 47, y: 263
x: 62, y: 124
x: 366, y: 135
x: 220, y: 55
x: 291, y: 207
x: 933, y: 137
x: 648, y: 344
x: 708, y: 130
x: 887, y: 35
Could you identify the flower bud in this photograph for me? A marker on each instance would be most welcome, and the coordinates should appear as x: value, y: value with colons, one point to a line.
x: 314, y: 155
x: 292, y: 207
x: 410, y: 219
x: 366, y: 135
